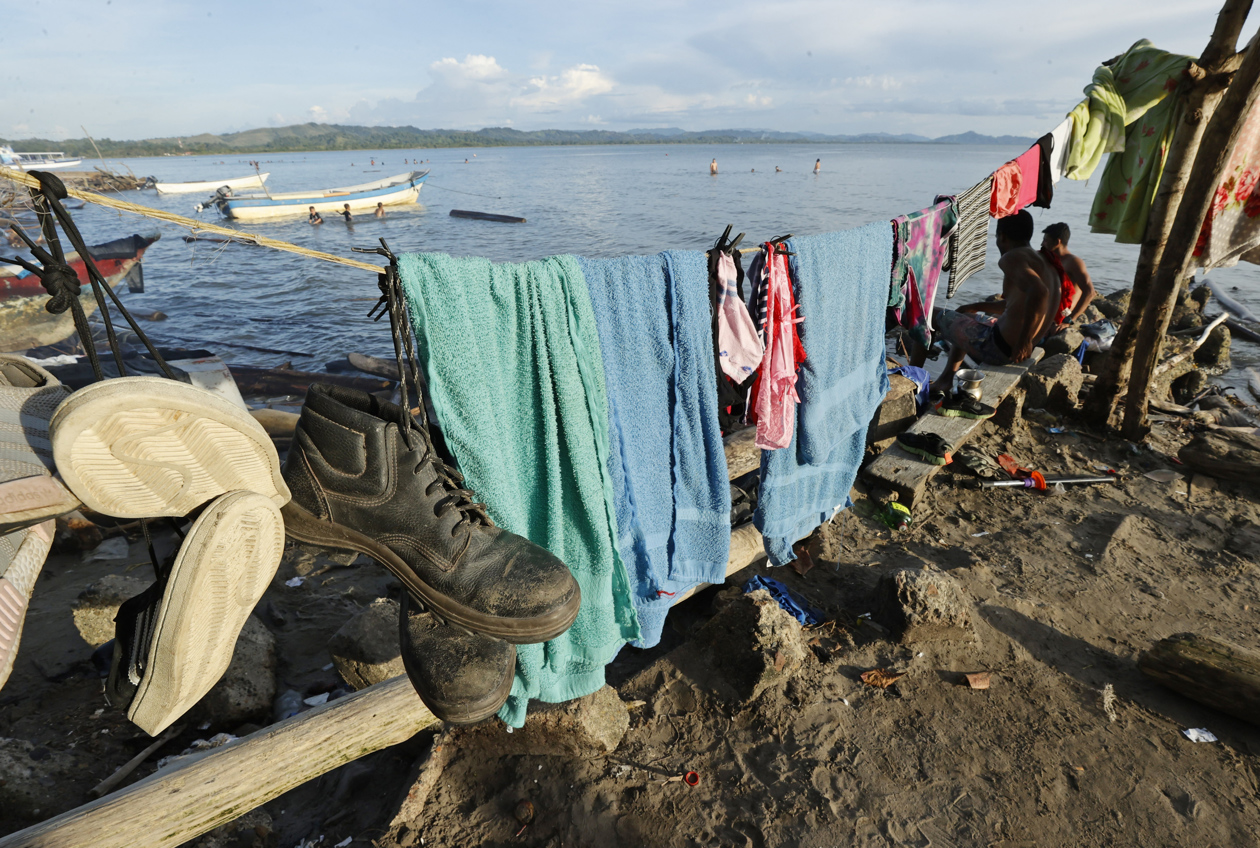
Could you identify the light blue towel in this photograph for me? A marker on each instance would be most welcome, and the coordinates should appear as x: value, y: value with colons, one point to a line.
x: 511, y: 354
x: 666, y: 462
x: 841, y: 283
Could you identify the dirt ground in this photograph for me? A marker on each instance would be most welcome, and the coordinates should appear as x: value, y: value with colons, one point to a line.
x: 1068, y: 590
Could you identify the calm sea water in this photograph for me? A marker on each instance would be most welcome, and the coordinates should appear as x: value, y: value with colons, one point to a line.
x: 594, y: 201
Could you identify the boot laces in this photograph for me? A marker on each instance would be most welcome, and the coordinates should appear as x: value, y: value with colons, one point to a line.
x: 471, y: 512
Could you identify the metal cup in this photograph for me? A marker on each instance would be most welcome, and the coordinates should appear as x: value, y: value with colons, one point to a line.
x: 969, y: 382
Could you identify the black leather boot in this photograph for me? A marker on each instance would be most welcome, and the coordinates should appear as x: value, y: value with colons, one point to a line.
x: 462, y: 678
x: 365, y: 477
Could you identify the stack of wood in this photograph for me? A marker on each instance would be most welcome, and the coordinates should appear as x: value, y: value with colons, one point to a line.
x: 102, y: 180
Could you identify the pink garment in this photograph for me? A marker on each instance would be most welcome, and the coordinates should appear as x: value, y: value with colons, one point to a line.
x: 777, y: 398
x: 1029, y: 175
x: 739, y: 347
x: 1007, y: 185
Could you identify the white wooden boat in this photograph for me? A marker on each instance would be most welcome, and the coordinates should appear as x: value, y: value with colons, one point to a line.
x: 46, y: 161
x: 252, y: 181
x: 391, y: 191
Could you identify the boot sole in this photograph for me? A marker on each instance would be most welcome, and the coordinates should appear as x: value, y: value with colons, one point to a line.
x: 300, y: 525
x: 139, y: 447
x: 955, y: 413
x: 927, y: 457
x: 456, y: 713
x: 15, y: 592
x: 226, y: 562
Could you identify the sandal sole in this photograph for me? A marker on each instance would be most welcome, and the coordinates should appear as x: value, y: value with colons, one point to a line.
x: 139, y: 447
x: 226, y: 562
x: 16, y: 588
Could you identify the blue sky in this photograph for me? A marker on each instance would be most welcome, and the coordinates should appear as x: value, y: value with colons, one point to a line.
x: 140, y: 69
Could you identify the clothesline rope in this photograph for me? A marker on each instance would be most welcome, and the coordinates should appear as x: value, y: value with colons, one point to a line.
x: 25, y: 179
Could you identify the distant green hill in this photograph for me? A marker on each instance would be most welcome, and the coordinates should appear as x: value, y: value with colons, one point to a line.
x: 311, y: 137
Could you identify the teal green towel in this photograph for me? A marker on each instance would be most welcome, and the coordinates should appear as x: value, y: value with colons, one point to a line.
x: 517, y: 381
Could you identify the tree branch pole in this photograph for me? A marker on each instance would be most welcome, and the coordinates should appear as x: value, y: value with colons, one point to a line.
x: 1215, y: 150
x: 1203, y: 91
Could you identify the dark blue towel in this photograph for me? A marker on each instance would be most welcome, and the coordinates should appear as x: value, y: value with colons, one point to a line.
x: 841, y: 283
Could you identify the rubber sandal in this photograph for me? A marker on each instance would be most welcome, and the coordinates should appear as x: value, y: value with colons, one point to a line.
x: 173, y: 650
x: 29, y: 493
x: 22, y: 555
x: 965, y: 406
x: 139, y: 447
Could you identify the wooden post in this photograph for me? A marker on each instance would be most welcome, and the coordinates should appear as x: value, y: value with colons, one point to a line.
x: 1203, y: 92
x: 1217, y: 674
x: 1213, y: 155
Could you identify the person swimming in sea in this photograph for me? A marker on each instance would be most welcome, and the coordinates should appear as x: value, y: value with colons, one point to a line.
x: 380, y: 210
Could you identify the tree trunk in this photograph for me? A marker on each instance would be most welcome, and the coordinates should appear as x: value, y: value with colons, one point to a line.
x: 1217, y: 674
x: 1214, y: 153
x: 1202, y: 97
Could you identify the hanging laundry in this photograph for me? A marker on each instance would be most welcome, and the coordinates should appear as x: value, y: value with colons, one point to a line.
x: 1029, y: 164
x: 1062, y: 137
x: 842, y: 281
x: 1232, y: 229
x: 920, y: 242
x: 1146, y: 77
x: 1007, y: 182
x: 512, y: 359
x: 1119, y: 95
x: 1045, y: 181
x: 740, y: 348
x: 671, y: 494
x: 969, y: 241
x: 773, y: 394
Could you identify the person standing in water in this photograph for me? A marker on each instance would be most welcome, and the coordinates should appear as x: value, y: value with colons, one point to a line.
x: 713, y: 167
x: 817, y: 165
x: 345, y: 212
x: 380, y: 210
x: 314, y: 217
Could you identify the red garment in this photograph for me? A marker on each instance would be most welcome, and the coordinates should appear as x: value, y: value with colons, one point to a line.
x: 773, y: 398
x: 1007, y: 182
x: 1029, y: 171
x: 1067, y: 287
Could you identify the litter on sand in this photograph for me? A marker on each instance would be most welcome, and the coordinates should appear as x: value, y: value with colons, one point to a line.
x: 978, y: 680
x: 1162, y: 475
x: 1199, y: 734
x: 316, y: 700
x: 880, y: 678
x: 294, y: 582
x: 981, y: 533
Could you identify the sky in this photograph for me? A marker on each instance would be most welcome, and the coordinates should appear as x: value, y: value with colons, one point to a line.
x: 132, y: 69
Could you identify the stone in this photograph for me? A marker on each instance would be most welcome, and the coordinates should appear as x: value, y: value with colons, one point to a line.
x: 1114, y: 305
x: 1090, y: 315
x: 1186, y: 387
x: 1010, y: 412
x: 1054, y: 383
x: 248, y: 687
x: 897, y: 412
x: 1213, y: 356
x: 96, y: 606
x: 75, y: 534
x: 365, y: 650
x: 1246, y: 542
x: 1067, y: 341
x: 922, y: 605
x: 33, y: 780
x: 592, y: 726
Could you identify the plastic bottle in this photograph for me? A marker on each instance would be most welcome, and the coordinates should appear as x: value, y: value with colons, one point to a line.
x: 897, y: 516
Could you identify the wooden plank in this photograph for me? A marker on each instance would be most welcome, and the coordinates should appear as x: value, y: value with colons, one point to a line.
x: 742, y: 453
x: 746, y: 548
x: 908, y: 475
x: 1217, y: 674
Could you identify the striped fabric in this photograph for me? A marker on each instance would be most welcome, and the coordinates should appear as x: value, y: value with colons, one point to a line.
x: 967, y: 244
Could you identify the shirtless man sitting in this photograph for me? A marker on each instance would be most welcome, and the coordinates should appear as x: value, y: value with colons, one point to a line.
x: 1020, y: 319
x: 1054, y: 241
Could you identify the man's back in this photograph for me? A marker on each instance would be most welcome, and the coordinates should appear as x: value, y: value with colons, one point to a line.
x: 1031, y: 289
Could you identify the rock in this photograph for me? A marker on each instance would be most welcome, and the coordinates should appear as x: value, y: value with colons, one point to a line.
x: 248, y: 687
x: 1067, y: 341
x: 1213, y: 356
x: 585, y: 727
x: 1054, y: 383
x: 75, y: 534
x: 1114, y: 305
x: 33, y: 780
x: 1185, y: 319
x: 1246, y: 542
x: 96, y: 606
x: 921, y: 605
x: 1011, y: 410
x: 750, y: 645
x: 1186, y: 387
x: 365, y: 650
x: 1090, y: 315
x: 897, y: 412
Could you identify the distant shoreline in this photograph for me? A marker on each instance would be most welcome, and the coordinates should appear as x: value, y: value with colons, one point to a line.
x: 312, y: 138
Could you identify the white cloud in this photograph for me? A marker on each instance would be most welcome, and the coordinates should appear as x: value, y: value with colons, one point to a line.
x: 474, y: 69
x: 883, y: 82
x: 573, y: 85
x: 318, y: 114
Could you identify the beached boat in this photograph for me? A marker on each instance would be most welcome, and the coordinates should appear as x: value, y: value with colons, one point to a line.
x: 25, y: 323
x: 46, y: 161
x: 252, y: 181
x: 391, y: 191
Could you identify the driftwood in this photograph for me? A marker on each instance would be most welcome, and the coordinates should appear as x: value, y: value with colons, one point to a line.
x: 486, y: 216
x: 374, y: 365
x: 1226, y: 454
x: 272, y: 382
x: 1172, y: 361
x: 1217, y: 674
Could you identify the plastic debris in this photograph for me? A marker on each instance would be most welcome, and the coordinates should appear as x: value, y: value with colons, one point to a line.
x: 111, y: 549
x: 1199, y: 734
x: 343, y: 843
x: 1162, y: 475
x: 978, y: 680
x: 294, y: 582
x: 316, y: 700
x: 981, y: 533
